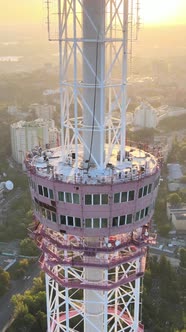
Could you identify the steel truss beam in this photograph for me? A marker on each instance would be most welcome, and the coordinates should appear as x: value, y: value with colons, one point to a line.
x: 118, y: 32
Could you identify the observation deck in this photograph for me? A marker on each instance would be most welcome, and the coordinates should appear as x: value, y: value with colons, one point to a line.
x: 87, y: 201
x: 50, y: 164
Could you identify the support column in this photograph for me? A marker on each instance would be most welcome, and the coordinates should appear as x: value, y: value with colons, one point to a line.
x: 137, y: 297
x: 94, y: 308
x: 47, y: 280
x: 93, y: 79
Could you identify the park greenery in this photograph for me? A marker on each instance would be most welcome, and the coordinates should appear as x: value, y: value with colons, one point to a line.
x: 17, y: 218
x: 28, y: 247
x: 16, y: 210
x: 30, y: 309
x: 178, y: 151
x: 174, y: 199
x: 176, y: 155
x: 19, y: 269
x: 173, y: 123
x: 144, y: 136
x: 160, y: 214
x: 164, y: 298
x: 182, y: 253
x: 4, y: 281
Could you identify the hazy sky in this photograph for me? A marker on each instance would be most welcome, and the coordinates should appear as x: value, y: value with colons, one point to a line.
x: 152, y: 11
x: 163, y: 11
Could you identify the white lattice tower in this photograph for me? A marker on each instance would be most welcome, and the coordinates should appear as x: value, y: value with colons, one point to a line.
x: 93, y: 196
x: 93, y: 46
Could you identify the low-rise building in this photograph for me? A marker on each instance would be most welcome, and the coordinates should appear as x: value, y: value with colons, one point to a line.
x: 179, y: 221
x: 177, y: 215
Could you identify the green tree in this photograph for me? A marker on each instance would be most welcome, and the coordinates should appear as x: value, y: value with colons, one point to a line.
x: 164, y: 300
x: 183, y: 179
x: 154, y: 266
x: 28, y: 248
x: 164, y: 229
x: 183, y: 257
x: 24, y: 263
x: 4, y: 281
x: 21, y: 308
x: 182, y: 154
x: 148, y: 279
x: 174, y: 199
x: 24, y: 321
x: 41, y: 319
x: 28, y: 322
x: 30, y: 309
x: 19, y: 269
x: 182, y: 194
x: 38, y: 285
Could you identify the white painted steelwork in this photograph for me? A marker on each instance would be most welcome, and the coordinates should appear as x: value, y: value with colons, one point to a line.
x: 93, y: 250
x: 66, y: 309
x: 93, y: 48
x: 104, y: 288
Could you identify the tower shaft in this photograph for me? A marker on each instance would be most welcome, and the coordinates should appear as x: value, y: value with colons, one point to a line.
x: 94, y: 196
x: 93, y: 79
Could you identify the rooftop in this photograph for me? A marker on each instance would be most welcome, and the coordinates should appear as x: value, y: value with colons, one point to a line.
x: 50, y: 163
x: 174, y: 172
x: 35, y: 123
x: 180, y: 215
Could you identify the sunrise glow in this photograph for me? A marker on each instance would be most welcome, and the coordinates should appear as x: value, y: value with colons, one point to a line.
x: 152, y: 12
x: 163, y: 12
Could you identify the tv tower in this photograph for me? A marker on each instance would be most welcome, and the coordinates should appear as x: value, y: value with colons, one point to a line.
x: 94, y: 196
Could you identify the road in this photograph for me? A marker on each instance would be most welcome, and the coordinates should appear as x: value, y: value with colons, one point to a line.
x: 18, y: 286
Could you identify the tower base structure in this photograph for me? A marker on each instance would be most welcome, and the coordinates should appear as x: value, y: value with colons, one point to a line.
x: 93, y: 229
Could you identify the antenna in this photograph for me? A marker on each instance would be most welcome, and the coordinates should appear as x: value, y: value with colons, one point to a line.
x: 134, y: 27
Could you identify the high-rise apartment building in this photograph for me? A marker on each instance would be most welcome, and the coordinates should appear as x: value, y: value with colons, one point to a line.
x: 26, y: 135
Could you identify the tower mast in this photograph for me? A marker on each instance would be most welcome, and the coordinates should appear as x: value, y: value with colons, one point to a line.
x: 94, y: 196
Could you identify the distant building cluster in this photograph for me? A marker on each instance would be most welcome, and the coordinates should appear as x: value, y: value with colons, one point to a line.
x: 145, y: 116
x: 43, y: 111
x: 13, y: 110
x: 25, y: 135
